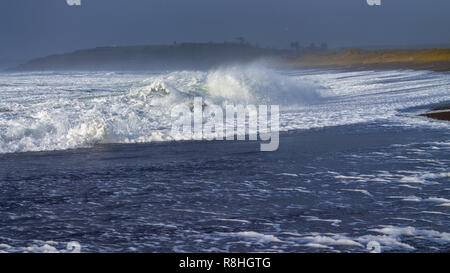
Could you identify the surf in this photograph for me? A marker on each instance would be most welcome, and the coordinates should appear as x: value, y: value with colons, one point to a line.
x: 69, y: 110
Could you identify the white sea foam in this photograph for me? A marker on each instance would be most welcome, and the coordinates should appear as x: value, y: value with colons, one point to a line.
x: 441, y: 237
x: 336, y: 240
x: 255, y: 236
x: 358, y: 190
x: 43, y: 247
x: 381, y: 239
x: 54, y: 111
x: 334, y: 222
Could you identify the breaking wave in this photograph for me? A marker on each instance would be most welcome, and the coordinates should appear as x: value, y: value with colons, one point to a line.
x: 54, y: 111
x: 71, y: 110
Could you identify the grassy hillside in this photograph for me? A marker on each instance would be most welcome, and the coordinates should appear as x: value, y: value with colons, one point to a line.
x: 176, y: 56
x: 438, y: 58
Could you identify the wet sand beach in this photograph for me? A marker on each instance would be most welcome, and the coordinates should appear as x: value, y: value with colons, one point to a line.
x: 442, y: 113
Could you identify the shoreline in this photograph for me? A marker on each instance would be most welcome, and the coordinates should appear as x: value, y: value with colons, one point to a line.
x: 432, y: 66
x: 356, y: 59
x: 438, y: 113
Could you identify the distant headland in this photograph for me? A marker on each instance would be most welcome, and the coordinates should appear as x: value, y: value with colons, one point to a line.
x: 208, y: 55
x: 152, y: 57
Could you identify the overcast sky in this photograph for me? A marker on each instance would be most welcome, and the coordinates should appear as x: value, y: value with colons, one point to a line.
x: 30, y: 28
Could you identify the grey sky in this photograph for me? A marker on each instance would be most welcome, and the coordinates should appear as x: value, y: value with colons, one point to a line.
x: 30, y: 28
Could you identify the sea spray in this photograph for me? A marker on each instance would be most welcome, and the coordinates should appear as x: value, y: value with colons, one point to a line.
x: 66, y: 110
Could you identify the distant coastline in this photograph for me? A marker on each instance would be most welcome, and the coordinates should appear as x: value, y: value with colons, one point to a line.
x: 152, y: 57
x: 208, y: 55
x: 359, y: 59
x: 439, y: 113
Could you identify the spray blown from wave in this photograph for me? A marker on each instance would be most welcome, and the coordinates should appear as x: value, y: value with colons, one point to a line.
x: 73, y: 110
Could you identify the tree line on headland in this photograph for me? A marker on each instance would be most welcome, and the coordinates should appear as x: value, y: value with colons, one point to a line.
x: 208, y: 55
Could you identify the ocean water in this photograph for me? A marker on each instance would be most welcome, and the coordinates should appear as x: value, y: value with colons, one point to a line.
x: 88, y: 163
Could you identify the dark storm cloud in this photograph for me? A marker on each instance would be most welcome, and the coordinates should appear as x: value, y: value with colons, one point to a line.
x: 38, y: 27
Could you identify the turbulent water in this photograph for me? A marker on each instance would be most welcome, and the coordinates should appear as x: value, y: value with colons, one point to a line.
x: 357, y: 169
x: 54, y: 111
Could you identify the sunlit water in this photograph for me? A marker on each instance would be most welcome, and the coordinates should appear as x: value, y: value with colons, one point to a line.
x: 88, y: 158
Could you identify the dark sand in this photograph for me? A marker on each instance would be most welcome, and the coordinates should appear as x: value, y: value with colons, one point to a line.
x: 444, y: 115
x: 441, y: 108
